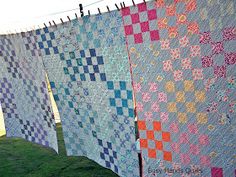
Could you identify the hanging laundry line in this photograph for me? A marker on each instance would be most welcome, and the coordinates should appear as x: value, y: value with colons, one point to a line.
x: 62, y: 16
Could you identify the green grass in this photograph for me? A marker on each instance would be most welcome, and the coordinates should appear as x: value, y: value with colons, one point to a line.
x: 20, y: 158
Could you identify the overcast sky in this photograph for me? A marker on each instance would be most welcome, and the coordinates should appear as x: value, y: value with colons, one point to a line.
x: 19, y: 15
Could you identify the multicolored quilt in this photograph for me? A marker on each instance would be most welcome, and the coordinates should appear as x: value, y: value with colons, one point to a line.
x: 23, y: 91
x: 89, y: 72
x: 183, y: 56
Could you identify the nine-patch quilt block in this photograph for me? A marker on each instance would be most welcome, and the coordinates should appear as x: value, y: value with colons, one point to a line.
x: 184, y: 85
x: 91, y: 83
x: 23, y: 91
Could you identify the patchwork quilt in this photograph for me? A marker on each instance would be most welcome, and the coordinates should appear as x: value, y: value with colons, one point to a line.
x: 183, y: 56
x: 174, y: 59
x: 89, y: 72
x: 23, y: 91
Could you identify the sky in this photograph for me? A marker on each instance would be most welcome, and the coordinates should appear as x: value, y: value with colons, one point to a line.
x: 2, y: 128
x: 25, y: 15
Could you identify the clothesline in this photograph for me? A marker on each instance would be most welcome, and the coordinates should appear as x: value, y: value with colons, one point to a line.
x: 59, y: 13
x: 56, y: 17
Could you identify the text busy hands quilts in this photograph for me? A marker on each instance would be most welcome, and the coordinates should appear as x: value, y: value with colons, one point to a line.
x: 23, y: 91
x: 88, y: 69
x: 183, y: 56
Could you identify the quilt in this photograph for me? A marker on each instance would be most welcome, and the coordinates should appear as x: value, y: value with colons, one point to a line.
x: 183, y: 56
x: 23, y: 91
x: 89, y: 73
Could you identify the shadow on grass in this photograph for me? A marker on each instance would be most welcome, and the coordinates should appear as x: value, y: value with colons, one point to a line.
x: 24, y: 159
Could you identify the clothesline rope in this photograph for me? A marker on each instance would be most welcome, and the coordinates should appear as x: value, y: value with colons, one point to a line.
x: 56, y: 13
x: 56, y: 16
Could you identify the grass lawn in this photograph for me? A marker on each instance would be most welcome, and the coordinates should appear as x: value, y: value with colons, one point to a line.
x: 20, y: 158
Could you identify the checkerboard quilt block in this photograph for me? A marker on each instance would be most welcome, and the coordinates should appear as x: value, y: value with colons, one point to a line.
x: 182, y: 57
x: 23, y: 91
x: 91, y: 83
